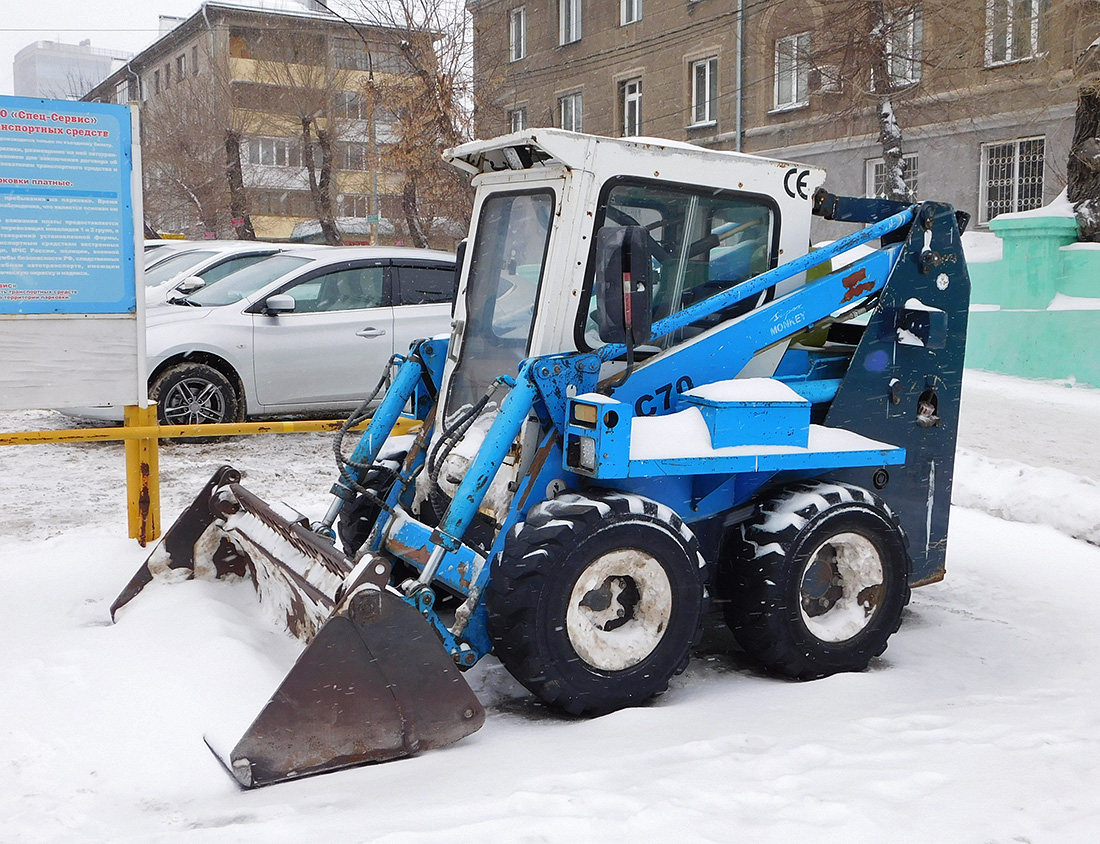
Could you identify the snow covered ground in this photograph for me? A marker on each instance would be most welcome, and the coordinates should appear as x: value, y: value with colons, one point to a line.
x: 979, y: 724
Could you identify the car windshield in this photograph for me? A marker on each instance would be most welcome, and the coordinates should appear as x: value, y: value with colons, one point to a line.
x: 171, y: 267
x: 245, y: 282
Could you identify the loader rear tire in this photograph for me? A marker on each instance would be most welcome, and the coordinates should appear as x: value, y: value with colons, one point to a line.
x: 595, y: 602
x: 817, y: 581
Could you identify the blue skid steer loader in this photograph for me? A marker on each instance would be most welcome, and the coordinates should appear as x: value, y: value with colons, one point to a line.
x: 653, y: 395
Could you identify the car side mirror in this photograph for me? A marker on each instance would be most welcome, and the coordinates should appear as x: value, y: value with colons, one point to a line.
x: 190, y: 284
x: 280, y: 303
x: 623, y: 288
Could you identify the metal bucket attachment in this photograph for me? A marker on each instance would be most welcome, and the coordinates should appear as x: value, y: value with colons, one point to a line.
x: 374, y: 684
x: 228, y: 531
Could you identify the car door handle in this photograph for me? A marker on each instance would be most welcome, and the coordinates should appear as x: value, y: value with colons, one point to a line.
x: 370, y: 331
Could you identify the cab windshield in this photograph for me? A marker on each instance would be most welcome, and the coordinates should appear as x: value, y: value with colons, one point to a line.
x: 505, y: 270
x: 700, y: 241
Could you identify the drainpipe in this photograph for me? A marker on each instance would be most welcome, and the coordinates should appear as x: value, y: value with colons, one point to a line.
x: 739, y: 75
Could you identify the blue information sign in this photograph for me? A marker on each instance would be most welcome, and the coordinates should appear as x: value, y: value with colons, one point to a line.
x: 66, y: 215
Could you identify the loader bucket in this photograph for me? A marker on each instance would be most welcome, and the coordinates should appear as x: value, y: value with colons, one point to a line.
x: 228, y: 531
x: 374, y: 684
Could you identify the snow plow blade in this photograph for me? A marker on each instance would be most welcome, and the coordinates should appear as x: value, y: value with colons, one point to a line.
x: 227, y: 531
x: 374, y: 684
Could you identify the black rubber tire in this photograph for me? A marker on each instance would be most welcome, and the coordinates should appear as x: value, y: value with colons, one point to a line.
x: 559, y: 640
x: 357, y: 517
x: 194, y: 394
x: 817, y: 581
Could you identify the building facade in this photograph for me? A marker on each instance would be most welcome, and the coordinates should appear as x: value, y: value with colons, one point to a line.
x: 271, y: 123
x: 59, y: 71
x: 982, y: 91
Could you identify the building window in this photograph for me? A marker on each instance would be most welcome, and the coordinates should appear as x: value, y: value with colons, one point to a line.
x: 351, y: 205
x: 517, y: 47
x: 355, y: 156
x: 903, y: 47
x: 876, y: 176
x: 350, y: 54
x: 792, y: 70
x: 1012, y: 30
x: 195, y: 61
x: 181, y: 67
x: 569, y: 21
x: 571, y: 108
x: 156, y: 81
x: 351, y: 106
x: 1012, y: 177
x: 631, y: 98
x: 704, y: 92
x: 517, y: 119
x: 630, y: 11
x: 274, y: 152
x: 385, y: 126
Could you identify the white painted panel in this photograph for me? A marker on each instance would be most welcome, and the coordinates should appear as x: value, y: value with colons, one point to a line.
x: 68, y: 361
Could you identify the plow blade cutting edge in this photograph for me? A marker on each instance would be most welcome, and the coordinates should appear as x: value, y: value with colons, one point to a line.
x: 375, y: 684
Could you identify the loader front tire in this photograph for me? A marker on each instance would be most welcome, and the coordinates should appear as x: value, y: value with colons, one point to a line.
x: 595, y: 602
x: 817, y: 581
x: 358, y: 516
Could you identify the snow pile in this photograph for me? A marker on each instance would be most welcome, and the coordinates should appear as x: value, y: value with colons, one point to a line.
x: 1026, y: 452
x: 1060, y: 206
x: 983, y: 706
x: 1040, y: 495
x: 982, y: 247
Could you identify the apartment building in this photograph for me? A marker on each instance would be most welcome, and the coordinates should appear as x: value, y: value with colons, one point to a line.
x: 983, y: 91
x: 259, y: 119
x: 60, y: 71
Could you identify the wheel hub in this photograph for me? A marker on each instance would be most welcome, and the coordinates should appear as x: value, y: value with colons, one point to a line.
x: 619, y: 609
x: 842, y: 587
x: 193, y: 402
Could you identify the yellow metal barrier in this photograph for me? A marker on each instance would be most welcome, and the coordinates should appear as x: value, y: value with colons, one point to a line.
x: 141, y: 435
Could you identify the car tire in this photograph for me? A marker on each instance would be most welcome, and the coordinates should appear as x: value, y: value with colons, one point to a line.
x: 195, y: 394
x: 817, y: 580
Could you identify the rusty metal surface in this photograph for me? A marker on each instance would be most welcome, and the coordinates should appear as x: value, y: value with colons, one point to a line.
x: 375, y: 684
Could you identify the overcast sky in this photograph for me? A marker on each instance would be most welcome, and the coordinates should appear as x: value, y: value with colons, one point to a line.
x: 125, y: 25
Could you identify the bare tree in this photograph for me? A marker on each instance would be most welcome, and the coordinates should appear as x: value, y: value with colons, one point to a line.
x: 191, y: 146
x: 875, y: 64
x: 421, y: 85
x: 1083, y: 168
x: 301, y: 68
x: 185, y: 186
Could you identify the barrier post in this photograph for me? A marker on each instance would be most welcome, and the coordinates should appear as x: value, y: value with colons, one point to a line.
x: 142, y: 476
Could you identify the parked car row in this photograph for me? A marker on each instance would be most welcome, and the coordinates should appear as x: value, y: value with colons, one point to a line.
x: 283, y: 330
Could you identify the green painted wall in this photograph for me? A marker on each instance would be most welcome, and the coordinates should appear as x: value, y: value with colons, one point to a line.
x: 1013, y: 328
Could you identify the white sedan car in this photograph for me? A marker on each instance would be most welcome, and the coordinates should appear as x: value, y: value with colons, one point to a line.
x: 306, y: 331
x: 200, y: 266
